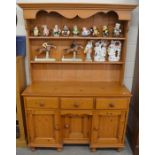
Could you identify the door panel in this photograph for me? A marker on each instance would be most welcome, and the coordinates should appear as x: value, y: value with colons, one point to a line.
x: 76, y: 127
x: 43, y: 127
x: 108, y: 127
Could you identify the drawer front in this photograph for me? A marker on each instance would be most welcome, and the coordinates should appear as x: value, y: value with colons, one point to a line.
x: 42, y: 102
x: 77, y: 103
x: 112, y: 103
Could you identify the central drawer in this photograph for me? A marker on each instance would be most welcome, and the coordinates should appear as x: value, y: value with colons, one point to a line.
x: 42, y: 102
x: 77, y: 103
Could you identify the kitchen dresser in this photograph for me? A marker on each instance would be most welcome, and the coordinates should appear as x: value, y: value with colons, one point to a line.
x: 70, y: 102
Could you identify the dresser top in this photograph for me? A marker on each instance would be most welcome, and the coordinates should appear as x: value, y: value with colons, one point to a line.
x: 76, y: 89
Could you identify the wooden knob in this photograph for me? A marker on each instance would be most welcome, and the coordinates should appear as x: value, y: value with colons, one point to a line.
x: 76, y: 105
x: 66, y: 126
x: 111, y: 105
x: 57, y: 128
x: 41, y: 104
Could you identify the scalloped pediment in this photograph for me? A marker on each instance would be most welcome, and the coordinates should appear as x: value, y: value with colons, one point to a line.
x: 81, y: 10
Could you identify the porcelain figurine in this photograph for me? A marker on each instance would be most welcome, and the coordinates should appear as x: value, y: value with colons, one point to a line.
x: 45, y: 30
x: 36, y: 31
x: 100, y: 51
x: 114, y: 51
x: 105, y: 31
x: 88, y: 50
x: 85, y: 32
x: 56, y: 31
x: 46, y: 47
x: 75, y: 30
x: 94, y: 31
x: 65, y: 31
x: 117, y: 30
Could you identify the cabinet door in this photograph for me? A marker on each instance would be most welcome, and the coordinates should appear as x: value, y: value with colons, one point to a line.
x: 76, y: 126
x: 43, y: 128
x: 108, y: 127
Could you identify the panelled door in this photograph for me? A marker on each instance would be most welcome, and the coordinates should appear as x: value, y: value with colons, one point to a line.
x: 76, y: 126
x: 43, y: 128
x: 108, y: 127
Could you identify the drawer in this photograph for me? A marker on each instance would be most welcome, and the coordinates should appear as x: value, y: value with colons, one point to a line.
x: 77, y: 103
x: 42, y: 102
x: 112, y: 103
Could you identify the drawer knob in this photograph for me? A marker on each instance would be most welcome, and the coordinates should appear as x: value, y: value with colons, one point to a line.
x: 66, y: 126
x: 76, y: 105
x: 111, y: 105
x: 41, y: 104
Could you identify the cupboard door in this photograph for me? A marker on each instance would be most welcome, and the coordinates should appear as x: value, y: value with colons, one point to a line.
x: 43, y: 128
x: 76, y: 126
x: 108, y: 127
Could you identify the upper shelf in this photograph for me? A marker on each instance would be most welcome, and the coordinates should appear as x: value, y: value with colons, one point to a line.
x: 77, y: 38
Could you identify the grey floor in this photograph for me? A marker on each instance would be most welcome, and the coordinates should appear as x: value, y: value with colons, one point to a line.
x: 74, y: 150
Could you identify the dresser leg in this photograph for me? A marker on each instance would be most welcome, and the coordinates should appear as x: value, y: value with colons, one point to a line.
x: 93, y: 149
x: 32, y: 148
x: 59, y: 149
x: 119, y: 149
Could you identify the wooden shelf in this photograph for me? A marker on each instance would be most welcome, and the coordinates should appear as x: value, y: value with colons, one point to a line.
x: 83, y: 62
x: 77, y: 38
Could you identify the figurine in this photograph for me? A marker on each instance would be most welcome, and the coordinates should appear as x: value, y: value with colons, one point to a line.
x: 56, y: 31
x: 36, y: 31
x: 100, y: 51
x: 74, y: 48
x: 114, y: 51
x: 117, y: 30
x: 105, y: 31
x: 88, y: 50
x: 85, y: 32
x: 65, y: 31
x: 75, y: 30
x: 45, y: 30
x: 94, y: 31
x: 46, y: 47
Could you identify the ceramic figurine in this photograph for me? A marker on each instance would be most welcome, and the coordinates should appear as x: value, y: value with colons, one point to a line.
x: 114, y: 51
x: 36, y: 31
x: 85, y: 32
x: 117, y: 30
x: 88, y: 50
x: 75, y: 30
x: 105, y: 31
x: 45, y: 30
x: 94, y: 31
x: 56, y: 31
x: 100, y: 51
x: 65, y: 31
x: 46, y: 47
x: 74, y: 48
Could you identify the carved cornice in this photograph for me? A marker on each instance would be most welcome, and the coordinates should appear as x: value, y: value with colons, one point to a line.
x: 71, y: 10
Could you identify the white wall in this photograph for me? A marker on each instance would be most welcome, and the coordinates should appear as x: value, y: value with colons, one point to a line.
x: 132, y: 39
